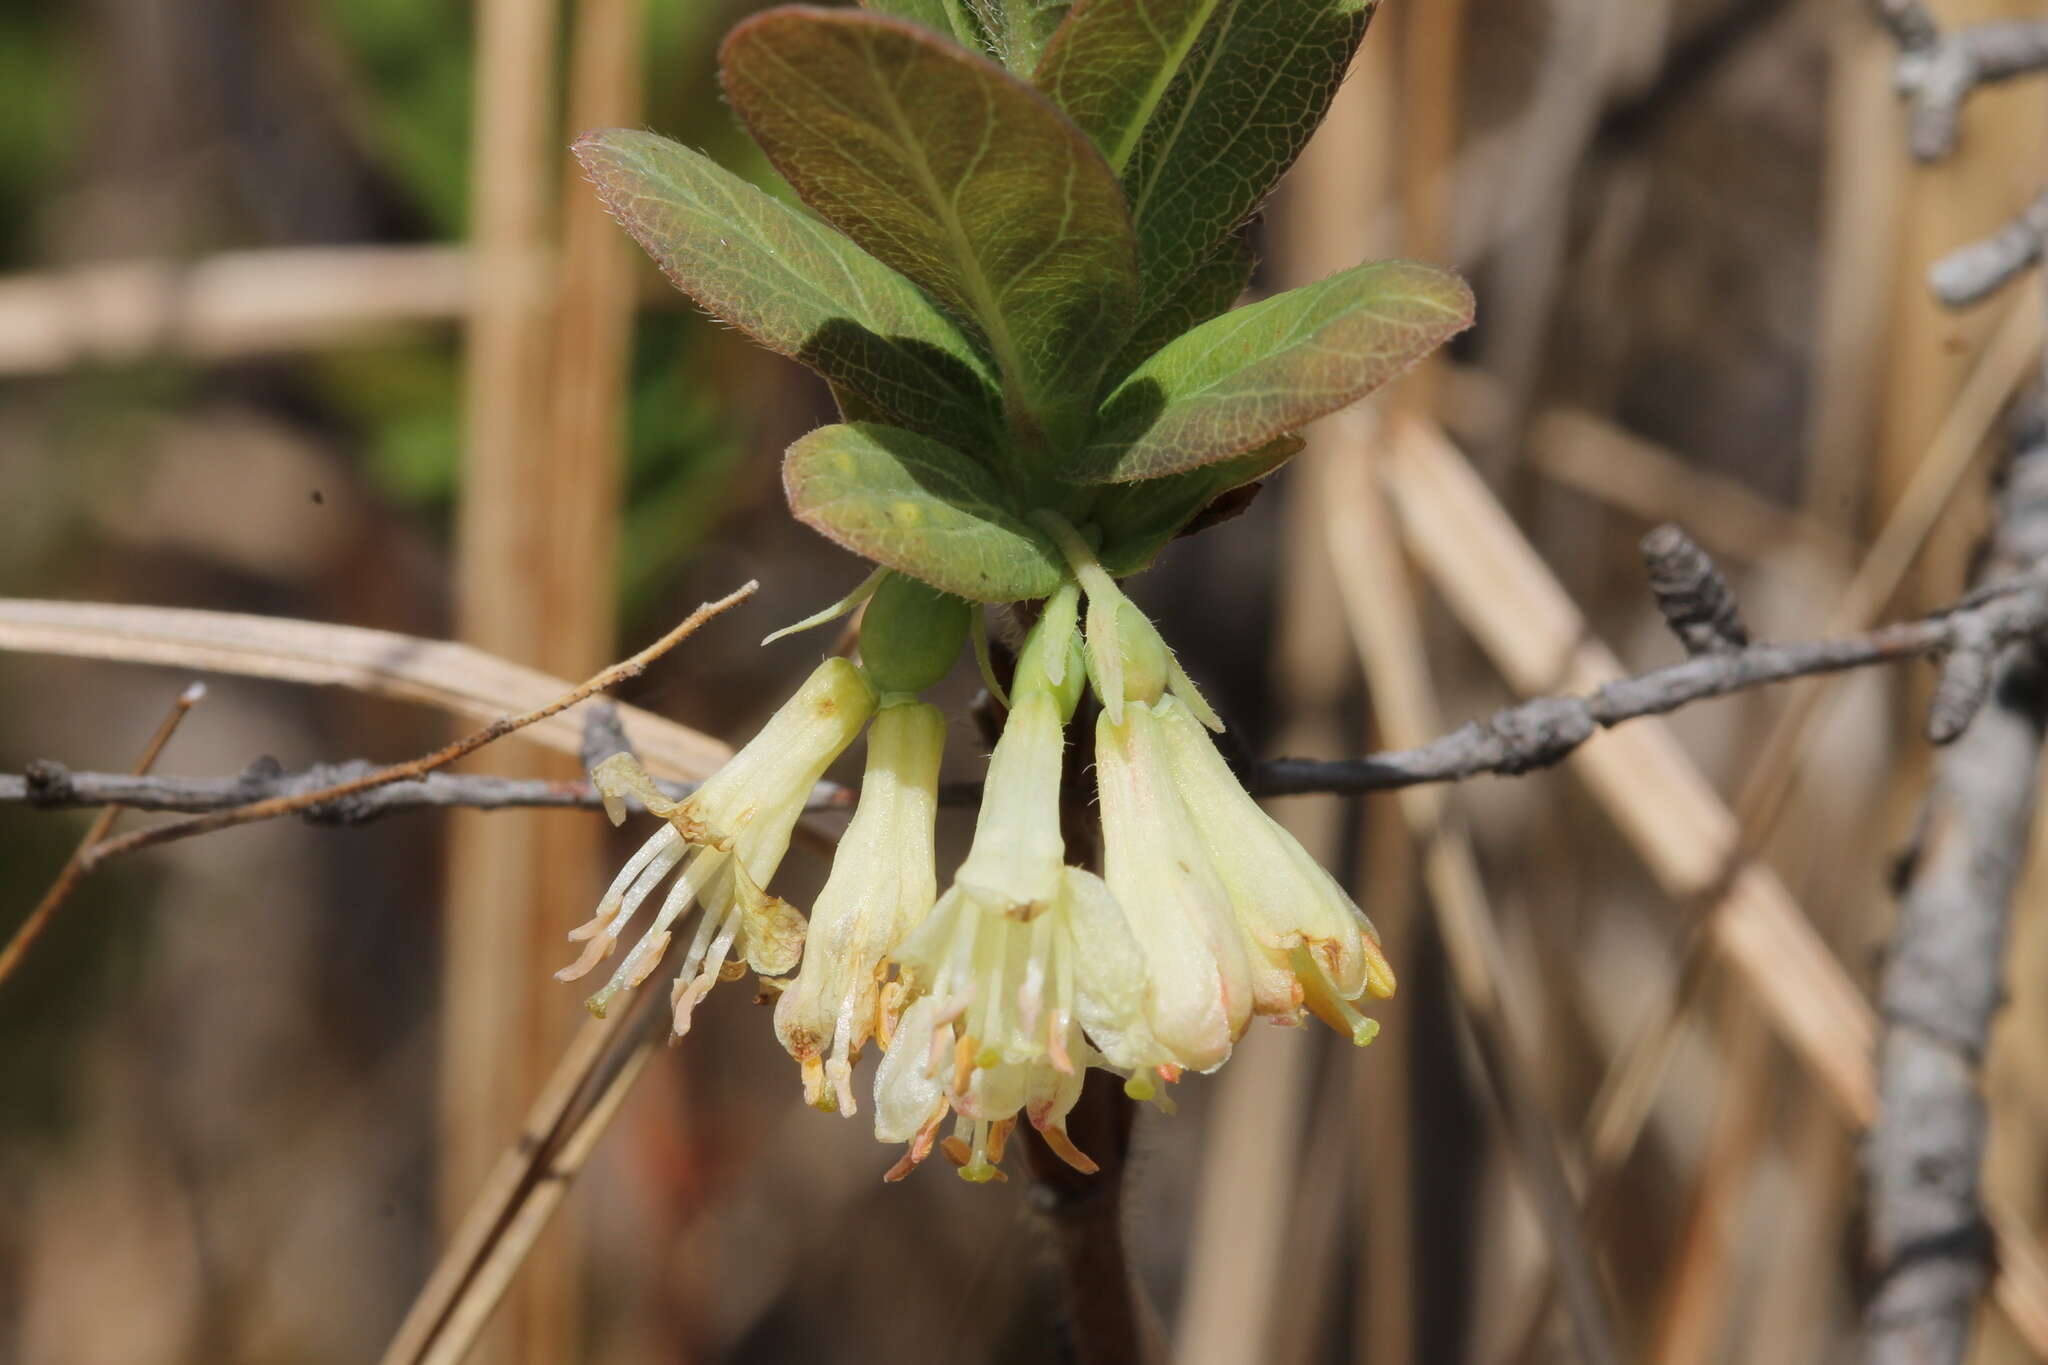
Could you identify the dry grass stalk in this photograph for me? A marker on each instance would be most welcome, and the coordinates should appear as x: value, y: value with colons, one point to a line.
x: 412, y: 769
x: 1692, y: 1309
x: 380, y: 663
x: 1596, y: 457
x: 1505, y: 595
x: 574, y: 511
x: 1239, y: 1246
x: 494, y: 1042
x: 1379, y: 607
x: 225, y: 306
x: 1863, y: 182
x: 526, y: 1184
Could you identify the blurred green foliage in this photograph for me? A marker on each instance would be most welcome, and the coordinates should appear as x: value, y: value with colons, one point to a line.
x: 39, y: 74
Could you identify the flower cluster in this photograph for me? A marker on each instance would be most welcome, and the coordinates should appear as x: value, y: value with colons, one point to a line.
x: 994, y: 998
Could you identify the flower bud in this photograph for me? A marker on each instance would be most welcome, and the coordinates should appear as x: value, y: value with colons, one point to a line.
x: 911, y: 634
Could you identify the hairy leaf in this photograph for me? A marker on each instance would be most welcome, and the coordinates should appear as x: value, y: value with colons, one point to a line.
x: 920, y: 508
x: 1113, y: 61
x: 1019, y: 30
x: 954, y: 18
x: 795, y: 285
x: 1232, y: 123
x: 960, y: 176
x: 1138, y: 519
x: 1235, y: 383
x: 1216, y: 284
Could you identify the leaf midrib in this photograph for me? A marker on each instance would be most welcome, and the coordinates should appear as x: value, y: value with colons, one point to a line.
x: 979, y: 292
x: 1162, y: 81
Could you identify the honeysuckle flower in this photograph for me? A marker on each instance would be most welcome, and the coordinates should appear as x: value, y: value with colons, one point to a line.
x: 1158, y: 868
x: 881, y: 887
x: 1022, y: 962
x: 1008, y: 1014
x: 729, y: 836
x: 1307, y: 942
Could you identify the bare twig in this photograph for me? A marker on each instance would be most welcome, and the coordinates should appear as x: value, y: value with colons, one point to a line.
x: 1929, y: 1242
x: 1513, y: 741
x: 1938, y: 71
x: 75, y: 866
x: 419, y: 767
x: 1538, y: 733
x: 53, y: 786
x: 1909, y: 21
x: 1973, y: 272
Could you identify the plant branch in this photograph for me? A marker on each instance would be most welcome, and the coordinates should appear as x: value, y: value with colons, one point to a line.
x: 1516, y: 740
x: 1929, y: 1243
x: 1974, y: 272
x: 414, y: 769
x: 1938, y: 71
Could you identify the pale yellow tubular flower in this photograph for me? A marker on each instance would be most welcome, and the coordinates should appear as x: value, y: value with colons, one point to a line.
x: 997, y: 1025
x: 729, y: 835
x: 1159, y: 871
x: 994, y: 1027
x: 1014, y: 862
x: 1309, y: 944
x: 882, y: 886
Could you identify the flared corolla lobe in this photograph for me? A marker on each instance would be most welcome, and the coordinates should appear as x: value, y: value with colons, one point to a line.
x: 1160, y: 872
x: 729, y: 837
x: 1308, y: 945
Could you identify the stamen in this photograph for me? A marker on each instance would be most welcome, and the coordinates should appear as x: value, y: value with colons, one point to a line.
x: 972, y: 1157
x: 646, y: 870
x: 814, y: 1083
x: 594, y: 952
x: 840, y: 1072
x: 1063, y: 1147
x: 607, y: 911
x: 888, y: 1013
x: 685, y: 998
x: 1056, y: 1043
x: 963, y: 1063
x: 654, y: 946
x: 1031, y: 991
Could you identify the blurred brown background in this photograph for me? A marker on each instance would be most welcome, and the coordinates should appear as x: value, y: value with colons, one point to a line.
x: 306, y: 313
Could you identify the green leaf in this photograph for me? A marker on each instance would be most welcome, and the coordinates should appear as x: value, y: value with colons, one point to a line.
x: 1138, y: 519
x: 921, y: 508
x: 1019, y: 30
x: 796, y: 286
x: 1235, y: 383
x: 1232, y: 123
x: 955, y: 18
x: 1113, y: 61
x: 854, y: 408
x: 1216, y: 284
x: 960, y: 176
